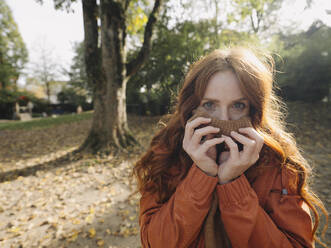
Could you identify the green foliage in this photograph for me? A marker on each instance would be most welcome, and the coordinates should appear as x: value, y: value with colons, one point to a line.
x: 13, y: 53
x: 8, y: 98
x: 77, y: 72
x: 306, y: 63
x: 12, y: 96
x: 71, y: 96
x: 136, y: 17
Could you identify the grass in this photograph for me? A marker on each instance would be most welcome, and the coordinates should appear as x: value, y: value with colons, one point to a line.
x: 45, y: 122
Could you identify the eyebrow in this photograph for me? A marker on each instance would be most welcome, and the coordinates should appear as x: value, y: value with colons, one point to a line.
x: 216, y: 100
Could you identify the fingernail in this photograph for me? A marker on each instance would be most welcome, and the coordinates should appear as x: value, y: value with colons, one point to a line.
x: 233, y: 132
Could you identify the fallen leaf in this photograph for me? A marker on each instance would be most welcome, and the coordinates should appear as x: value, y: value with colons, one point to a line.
x: 91, y: 233
x: 100, y: 242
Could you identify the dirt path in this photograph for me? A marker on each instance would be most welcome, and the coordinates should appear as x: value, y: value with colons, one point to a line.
x: 48, y: 199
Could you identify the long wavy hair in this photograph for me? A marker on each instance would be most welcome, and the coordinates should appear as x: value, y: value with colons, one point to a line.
x: 165, y: 163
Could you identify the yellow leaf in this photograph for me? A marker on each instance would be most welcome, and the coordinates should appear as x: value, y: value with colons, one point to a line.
x: 124, y: 212
x: 134, y: 231
x: 124, y: 231
x: 89, y: 219
x: 74, y: 236
x: 92, y: 211
x: 76, y: 221
x: 14, y: 229
x: 91, y: 233
x: 101, y: 242
x: 133, y: 217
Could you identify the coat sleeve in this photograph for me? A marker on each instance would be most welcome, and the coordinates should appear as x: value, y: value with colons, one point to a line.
x: 177, y: 222
x: 282, y: 223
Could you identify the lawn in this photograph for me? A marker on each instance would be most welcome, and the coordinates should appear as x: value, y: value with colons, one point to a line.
x: 45, y: 122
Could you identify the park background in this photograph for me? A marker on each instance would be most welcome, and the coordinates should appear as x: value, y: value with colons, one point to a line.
x: 61, y: 188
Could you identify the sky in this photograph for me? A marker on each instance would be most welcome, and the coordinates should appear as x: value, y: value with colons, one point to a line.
x: 42, y: 25
x: 295, y: 10
x: 58, y: 30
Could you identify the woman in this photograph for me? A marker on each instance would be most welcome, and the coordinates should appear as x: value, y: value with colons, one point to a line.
x: 233, y: 179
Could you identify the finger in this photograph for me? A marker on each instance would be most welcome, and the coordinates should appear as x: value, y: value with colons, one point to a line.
x: 199, y: 133
x: 210, y: 143
x: 253, y: 134
x: 207, y: 137
x: 234, y: 152
x: 190, y: 126
x: 248, y: 143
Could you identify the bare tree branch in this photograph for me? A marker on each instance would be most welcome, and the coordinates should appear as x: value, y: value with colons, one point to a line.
x: 126, y: 5
x: 252, y: 23
x: 133, y: 66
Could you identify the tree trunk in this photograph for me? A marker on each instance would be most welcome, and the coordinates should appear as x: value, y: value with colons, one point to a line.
x: 96, y: 140
x: 109, y: 126
x: 113, y: 32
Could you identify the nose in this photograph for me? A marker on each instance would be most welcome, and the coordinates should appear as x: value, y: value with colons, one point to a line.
x: 222, y: 114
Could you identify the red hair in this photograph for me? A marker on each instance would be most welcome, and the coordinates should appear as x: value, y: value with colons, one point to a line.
x: 165, y: 163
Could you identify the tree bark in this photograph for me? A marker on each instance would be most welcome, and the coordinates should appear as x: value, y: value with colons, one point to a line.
x: 109, y: 126
x: 96, y: 140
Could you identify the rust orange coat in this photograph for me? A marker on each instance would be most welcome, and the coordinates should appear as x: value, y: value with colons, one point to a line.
x: 263, y: 214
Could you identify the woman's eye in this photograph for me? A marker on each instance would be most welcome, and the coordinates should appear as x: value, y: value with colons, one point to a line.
x: 239, y: 105
x: 208, y: 105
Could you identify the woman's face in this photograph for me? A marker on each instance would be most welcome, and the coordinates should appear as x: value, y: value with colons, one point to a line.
x: 223, y: 98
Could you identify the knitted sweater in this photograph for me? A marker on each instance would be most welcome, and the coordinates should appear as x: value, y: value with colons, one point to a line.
x: 225, y: 126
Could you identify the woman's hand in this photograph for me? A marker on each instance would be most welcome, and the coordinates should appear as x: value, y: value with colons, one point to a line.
x: 203, y: 154
x: 235, y: 163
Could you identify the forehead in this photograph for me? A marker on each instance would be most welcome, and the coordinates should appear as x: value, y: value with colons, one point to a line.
x: 223, y: 86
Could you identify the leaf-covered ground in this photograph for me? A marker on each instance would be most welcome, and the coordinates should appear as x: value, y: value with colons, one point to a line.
x: 51, y: 199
